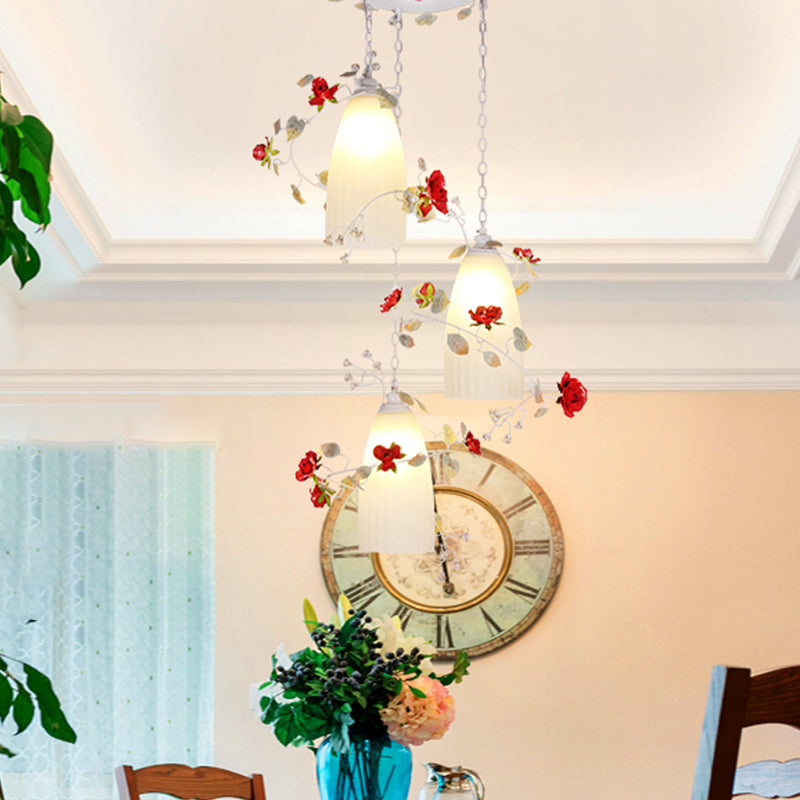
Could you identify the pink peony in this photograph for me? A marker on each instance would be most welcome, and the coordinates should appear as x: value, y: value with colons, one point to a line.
x: 416, y: 720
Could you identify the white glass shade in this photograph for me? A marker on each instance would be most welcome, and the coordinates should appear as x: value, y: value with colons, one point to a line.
x: 395, y: 509
x: 483, y: 280
x: 367, y: 160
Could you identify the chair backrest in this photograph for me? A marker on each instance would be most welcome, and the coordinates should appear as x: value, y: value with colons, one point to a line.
x: 737, y: 700
x: 189, y: 783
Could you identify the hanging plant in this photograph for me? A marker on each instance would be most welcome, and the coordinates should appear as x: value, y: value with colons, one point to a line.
x: 26, y: 148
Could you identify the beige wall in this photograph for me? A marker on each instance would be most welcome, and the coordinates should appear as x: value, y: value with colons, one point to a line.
x: 682, y: 532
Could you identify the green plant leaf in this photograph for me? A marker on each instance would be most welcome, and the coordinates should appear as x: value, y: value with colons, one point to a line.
x: 6, y: 697
x: 38, y: 140
x: 23, y: 709
x: 4, y: 751
x: 25, y: 260
x: 52, y: 717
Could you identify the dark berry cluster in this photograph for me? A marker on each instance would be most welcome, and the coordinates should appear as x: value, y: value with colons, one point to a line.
x: 348, y: 663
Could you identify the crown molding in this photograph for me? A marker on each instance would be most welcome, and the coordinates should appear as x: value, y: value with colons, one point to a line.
x: 156, y: 382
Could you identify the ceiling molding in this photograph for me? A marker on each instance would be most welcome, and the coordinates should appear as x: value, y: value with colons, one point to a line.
x: 157, y: 382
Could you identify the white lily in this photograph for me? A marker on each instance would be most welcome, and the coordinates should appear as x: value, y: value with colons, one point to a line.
x: 391, y: 636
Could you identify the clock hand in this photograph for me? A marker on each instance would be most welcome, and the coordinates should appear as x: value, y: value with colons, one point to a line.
x: 441, y: 553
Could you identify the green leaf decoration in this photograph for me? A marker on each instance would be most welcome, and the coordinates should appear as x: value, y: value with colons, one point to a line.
x: 4, y: 751
x: 492, y: 359
x: 419, y: 403
x: 22, y: 709
x: 406, y: 340
x: 330, y: 449
x: 418, y: 460
x: 304, y: 81
x: 464, y: 13
x: 412, y: 325
x: 421, y: 164
x: 295, y: 126
x: 51, y: 716
x: 406, y: 398
x: 417, y: 692
x: 449, y: 435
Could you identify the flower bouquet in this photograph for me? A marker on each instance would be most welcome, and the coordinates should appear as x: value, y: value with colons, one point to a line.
x: 368, y: 691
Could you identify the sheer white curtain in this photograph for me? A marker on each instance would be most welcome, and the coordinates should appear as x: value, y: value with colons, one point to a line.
x: 107, y: 586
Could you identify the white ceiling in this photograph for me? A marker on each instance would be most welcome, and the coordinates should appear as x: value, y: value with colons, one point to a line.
x: 646, y: 149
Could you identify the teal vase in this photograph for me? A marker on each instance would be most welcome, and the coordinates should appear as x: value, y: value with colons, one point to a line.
x: 372, y: 769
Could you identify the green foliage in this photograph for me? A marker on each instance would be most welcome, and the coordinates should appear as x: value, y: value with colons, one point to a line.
x: 17, y: 695
x: 26, y: 149
x: 338, y: 687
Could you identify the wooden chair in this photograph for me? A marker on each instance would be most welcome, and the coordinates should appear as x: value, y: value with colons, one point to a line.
x: 189, y: 783
x: 736, y: 701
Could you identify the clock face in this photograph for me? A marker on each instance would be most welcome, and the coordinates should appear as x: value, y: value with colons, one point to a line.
x: 492, y: 568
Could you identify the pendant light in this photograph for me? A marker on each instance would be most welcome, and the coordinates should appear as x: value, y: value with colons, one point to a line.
x: 367, y: 165
x: 483, y: 280
x: 395, y: 508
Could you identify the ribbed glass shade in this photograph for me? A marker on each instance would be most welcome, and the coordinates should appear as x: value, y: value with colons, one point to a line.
x: 395, y: 510
x: 483, y: 280
x: 367, y: 160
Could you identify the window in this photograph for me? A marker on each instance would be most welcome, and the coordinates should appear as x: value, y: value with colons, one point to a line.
x: 107, y: 586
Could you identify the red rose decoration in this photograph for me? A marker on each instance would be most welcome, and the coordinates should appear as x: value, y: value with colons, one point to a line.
x: 434, y: 188
x: 573, y: 395
x: 424, y: 206
x: 486, y: 315
x: 308, y: 465
x: 259, y: 152
x: 526, y: 255
x: 320, y: 495
x: 320, y: 92
x: 391, y: 300
x: 473, y: 443
x: 387, y: 456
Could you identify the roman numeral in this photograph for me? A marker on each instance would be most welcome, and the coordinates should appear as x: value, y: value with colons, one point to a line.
x: 494, y: 628
x: 486, y: 475
x: 521, y: 589
x: 404, y: 613
x: 348, y: 551
x: 364, y: 592
x: 532, y: 547
x: 520, y: 506
x: 444, y: 636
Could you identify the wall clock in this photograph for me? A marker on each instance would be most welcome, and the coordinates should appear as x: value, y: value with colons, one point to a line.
x: 493, y: 567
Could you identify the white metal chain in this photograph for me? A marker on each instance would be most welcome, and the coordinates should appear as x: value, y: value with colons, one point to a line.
x: 398, y: 321
x: 368, y: 55
x: 397, y: 21
x: 482, y: 143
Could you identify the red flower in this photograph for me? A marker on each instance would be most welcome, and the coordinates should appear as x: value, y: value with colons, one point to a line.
x: 526, y: 255
x: 320, y: 495
x: 434, y: 188
x: 424, y: 206
x: 259, y: 152
x: 486, y: 315
x: 387, y: 456
x: 308, y: 465
x: 573, y: 395
x: 320, y: 92
x: 424, y: 293
x: 391, y: 300
x: 473, y: 443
